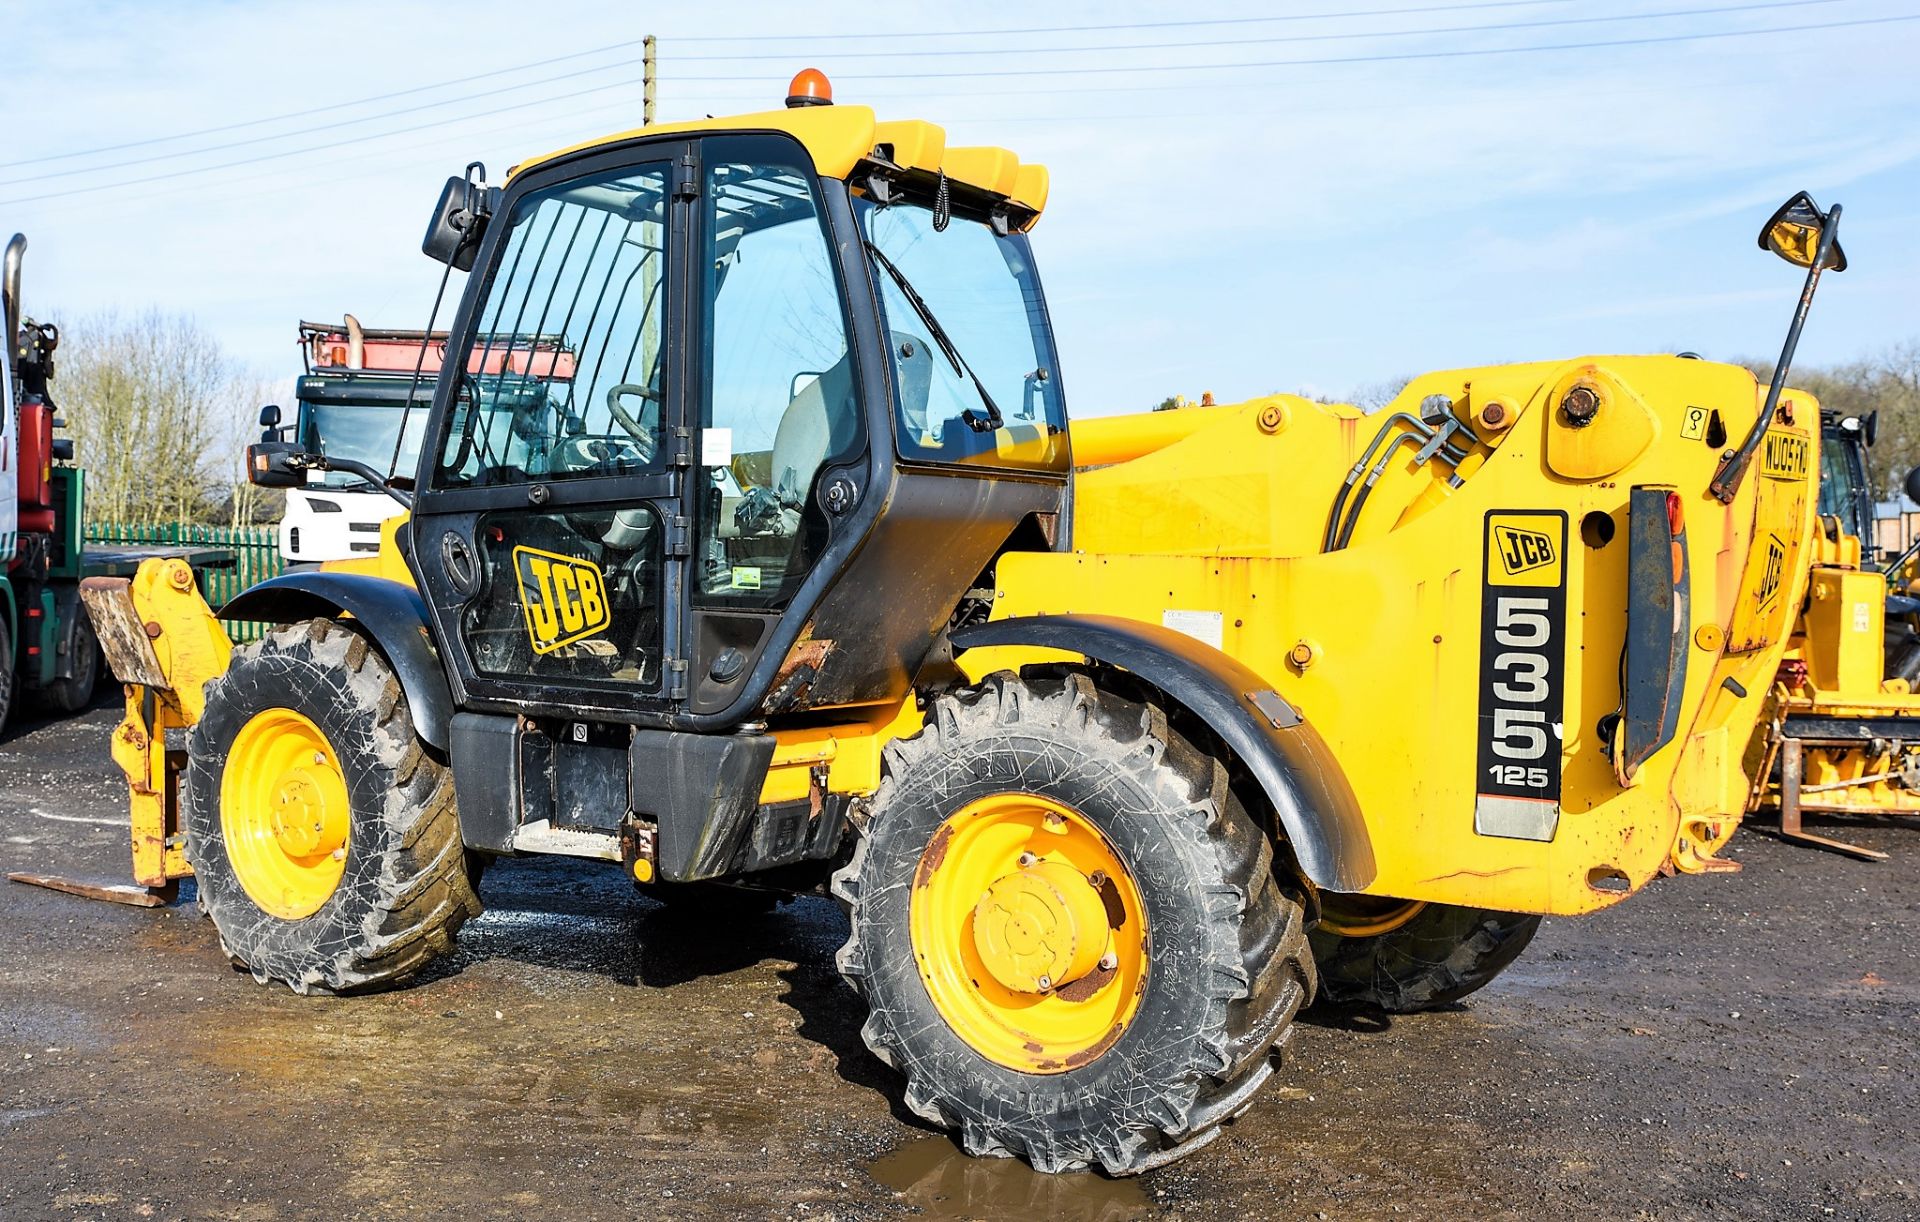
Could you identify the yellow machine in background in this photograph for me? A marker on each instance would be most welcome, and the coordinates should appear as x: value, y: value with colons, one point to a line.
x: 1841, y: 731
x: 1087, y: 726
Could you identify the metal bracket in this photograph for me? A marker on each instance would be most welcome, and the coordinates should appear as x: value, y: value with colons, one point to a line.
x: 1792, y: 764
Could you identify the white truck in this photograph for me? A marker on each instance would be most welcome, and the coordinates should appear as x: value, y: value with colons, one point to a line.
x: 352, y: 404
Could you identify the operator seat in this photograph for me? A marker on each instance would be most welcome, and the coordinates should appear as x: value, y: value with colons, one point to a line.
x: 819, y: 421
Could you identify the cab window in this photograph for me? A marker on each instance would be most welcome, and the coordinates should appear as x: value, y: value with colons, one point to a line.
x: 781, y: 400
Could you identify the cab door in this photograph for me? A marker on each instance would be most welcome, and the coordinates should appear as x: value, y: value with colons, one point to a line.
x: 549, y: 530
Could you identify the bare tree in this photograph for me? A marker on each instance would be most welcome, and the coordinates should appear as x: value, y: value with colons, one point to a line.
x: 1887, y: 382
x: 146, y: 399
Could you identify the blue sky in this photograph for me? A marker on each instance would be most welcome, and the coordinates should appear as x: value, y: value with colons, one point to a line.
x: 1438, y: 197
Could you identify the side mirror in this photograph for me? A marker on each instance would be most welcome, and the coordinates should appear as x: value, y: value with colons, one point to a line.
x: 270, y: 416
x: 276, y: 464
x: 1870, y: 426
x: 1794, y: 233
x: 459, y: 219
x: 1913, y: 485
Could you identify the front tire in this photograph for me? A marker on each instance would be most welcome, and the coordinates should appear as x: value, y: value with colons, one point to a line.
x: 322, y: 834
x: 1413, y: 957
x: 1136, y: 1060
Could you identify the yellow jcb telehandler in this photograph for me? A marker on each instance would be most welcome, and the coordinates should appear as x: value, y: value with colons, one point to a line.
x: 784, y: 577
x: 1841, y: 732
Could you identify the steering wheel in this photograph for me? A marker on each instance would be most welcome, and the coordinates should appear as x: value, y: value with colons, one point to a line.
x: 626, y: 419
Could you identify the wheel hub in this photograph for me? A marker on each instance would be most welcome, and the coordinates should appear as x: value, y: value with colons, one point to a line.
x: 1040, y: 927
x: 304, y: 822
x: 285, y: 813
x: 1030, y: 932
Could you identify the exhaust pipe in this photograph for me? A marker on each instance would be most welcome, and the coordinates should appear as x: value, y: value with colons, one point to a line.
x: 356, y: 344
x: 10, y: 286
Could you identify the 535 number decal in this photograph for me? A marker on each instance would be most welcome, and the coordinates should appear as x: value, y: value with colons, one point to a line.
x: 1522, y: 654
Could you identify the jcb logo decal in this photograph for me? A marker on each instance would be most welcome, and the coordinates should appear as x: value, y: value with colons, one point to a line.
x: 1770, y: 577
x: 565, y: 598
x: 1521, y: 550
x: 1784, y: 456
x: 1524, y: 549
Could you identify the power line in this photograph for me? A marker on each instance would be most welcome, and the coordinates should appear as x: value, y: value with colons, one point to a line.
x: 1344, y: 36
x: 1352, y: 59
x: 319, y: 127
x: 618, y: 46
x: 301, y: 114
x: 228, y: 165
x: 1159, y: 46
x: 1424, y: 55
x: 1130, y: 25
x: 385, y: 161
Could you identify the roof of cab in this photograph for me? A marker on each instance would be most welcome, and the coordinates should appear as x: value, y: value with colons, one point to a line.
x: 839, y: 137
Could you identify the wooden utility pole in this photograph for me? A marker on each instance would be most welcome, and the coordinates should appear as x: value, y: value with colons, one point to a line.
x: 647, y: 69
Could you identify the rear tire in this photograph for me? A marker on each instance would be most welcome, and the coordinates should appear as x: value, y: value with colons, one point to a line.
x: 6, y: 676
x: 75, y: 692
x: 1226, y: 964
x: 1440, y: 954
x: 403, y: 886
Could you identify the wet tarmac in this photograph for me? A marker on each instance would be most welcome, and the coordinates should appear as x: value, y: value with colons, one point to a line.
x: 1744, y: 1046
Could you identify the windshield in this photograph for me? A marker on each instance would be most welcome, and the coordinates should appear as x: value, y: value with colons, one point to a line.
x: 1843, y: 491
x: 982, y: 291
x: 363, y: 432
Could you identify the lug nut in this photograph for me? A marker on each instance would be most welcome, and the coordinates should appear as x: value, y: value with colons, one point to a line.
x: 1027, y: 859
x: 340, y: 854
x: 319, y: 757
x: 1046, y: 984
x: 1109, y: 961
x: 1097, y: 879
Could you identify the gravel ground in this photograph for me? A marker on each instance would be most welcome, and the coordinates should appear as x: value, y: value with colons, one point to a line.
x: 1740, y: 1046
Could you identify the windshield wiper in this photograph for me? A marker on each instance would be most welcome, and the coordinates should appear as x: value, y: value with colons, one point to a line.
x: 987, y: 423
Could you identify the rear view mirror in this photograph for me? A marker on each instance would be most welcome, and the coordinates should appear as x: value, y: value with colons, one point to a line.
x: 459, y: 219
x: 1794, y: 233
x: 276, y: 464
x: 1913, y: 485
x: 270, y: 416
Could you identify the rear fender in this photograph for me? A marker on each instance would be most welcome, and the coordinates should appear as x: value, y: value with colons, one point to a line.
x: 391, y: 614
x: 1287, y: 758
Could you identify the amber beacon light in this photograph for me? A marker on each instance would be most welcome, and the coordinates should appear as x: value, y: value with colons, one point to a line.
x: 809, y: 87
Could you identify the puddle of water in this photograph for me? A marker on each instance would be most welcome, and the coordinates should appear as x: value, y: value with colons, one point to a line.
x: 936, y: 1175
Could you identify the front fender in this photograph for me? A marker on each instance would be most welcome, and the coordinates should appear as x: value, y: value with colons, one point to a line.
x: 394, y: 615
x: 1287, y: 757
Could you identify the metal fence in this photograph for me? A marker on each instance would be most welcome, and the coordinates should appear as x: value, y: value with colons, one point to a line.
x: 256, y: 556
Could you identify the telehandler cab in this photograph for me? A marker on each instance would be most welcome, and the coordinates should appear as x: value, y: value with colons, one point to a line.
x: 785, y: 577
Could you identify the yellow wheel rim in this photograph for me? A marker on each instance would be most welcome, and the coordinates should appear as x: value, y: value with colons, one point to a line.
x: 1029, y: 933
x: 1365, y: 916
x: 284, y: 814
